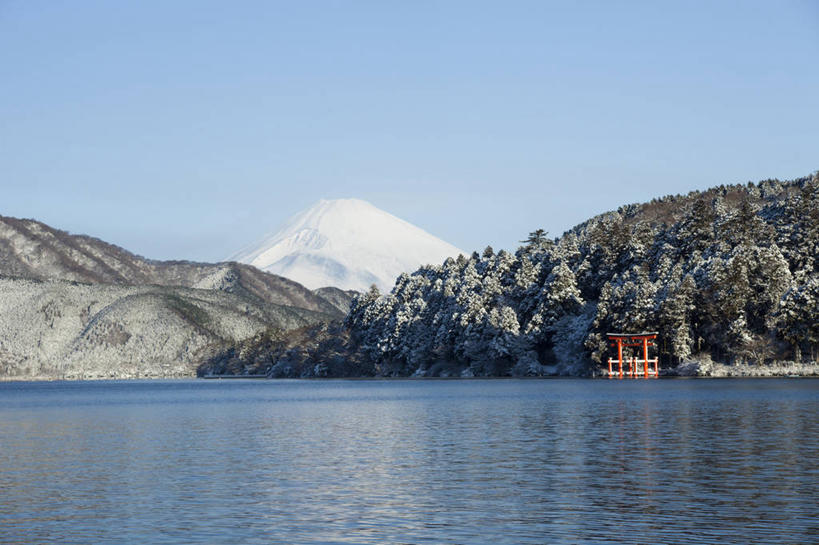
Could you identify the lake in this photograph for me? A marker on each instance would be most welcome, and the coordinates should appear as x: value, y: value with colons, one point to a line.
x: 410, y: 461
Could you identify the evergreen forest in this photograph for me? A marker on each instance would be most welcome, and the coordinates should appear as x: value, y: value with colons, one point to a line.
x: 730, y: 274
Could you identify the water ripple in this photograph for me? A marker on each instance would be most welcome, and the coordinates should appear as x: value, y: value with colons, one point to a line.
x: 506, y: 462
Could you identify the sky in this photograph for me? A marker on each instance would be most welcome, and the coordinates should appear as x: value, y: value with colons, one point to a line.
x: 189, y: 129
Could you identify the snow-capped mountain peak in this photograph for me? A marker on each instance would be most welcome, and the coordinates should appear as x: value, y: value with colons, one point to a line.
x: 346, y: 243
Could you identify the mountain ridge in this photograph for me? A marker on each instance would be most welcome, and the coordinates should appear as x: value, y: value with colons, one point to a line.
x: 32, y: 249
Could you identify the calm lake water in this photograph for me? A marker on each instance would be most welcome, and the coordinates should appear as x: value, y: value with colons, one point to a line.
x: 461, y: 461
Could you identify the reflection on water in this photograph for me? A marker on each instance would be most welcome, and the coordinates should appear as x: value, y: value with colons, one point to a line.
x: 501, y: 461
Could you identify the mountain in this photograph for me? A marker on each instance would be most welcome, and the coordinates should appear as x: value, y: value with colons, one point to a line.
x: 61, y: 329
x: 74, y: 306
x: 348, y: 244
x: 728, y: 275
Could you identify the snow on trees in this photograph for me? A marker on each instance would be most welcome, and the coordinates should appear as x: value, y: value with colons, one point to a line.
x: 797, y: 319
x: 730, y: 272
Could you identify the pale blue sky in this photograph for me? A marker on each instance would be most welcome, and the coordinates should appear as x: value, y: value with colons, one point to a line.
x: 187, y: 129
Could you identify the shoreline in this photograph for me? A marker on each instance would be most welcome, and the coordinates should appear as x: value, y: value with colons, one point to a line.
x: 710, y: 369
x: 699, y: 370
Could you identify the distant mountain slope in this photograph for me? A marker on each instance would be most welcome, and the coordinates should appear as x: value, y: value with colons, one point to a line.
x: 348, y: 244
x: 340, y: 298
x: 60, y: 329
x: 31, y: 249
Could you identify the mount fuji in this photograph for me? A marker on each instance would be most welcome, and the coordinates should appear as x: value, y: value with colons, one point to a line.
x: 348, y: 244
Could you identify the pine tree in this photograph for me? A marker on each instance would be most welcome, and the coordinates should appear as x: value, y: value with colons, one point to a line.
x: 537, y: 241
x: 676, y: 305
x: 796, y: 320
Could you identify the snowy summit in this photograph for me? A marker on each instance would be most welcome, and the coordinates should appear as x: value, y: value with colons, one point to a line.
x: 348, y: 244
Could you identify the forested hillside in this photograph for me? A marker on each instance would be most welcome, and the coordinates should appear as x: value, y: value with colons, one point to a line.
x: 729, y: 274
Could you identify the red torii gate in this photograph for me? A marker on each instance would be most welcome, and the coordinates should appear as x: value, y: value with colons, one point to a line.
x: 633, y: 340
